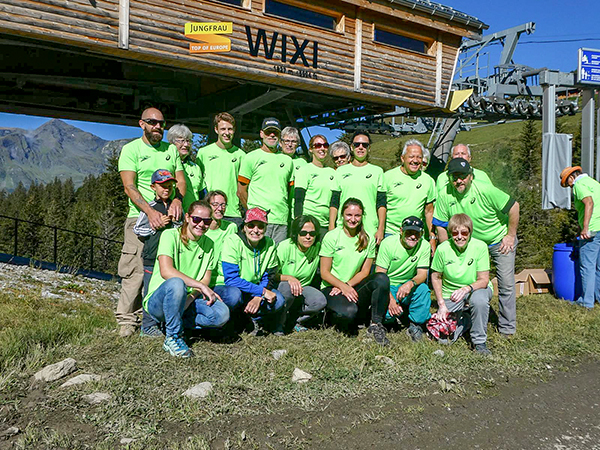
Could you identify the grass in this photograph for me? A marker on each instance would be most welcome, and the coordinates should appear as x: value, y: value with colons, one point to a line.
x: 146, y: 384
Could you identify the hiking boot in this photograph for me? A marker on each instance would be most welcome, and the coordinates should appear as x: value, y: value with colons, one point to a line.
x: 376, y: 332
x: 258, y: 329
x: 278, y: 333
x: 176, y: 346
x: 415, y: 332
x: 482, y: 349
x: 127, y: 330
x: 152, y: 331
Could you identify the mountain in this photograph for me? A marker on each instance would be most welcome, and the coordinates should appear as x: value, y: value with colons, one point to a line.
x: 55, y: 149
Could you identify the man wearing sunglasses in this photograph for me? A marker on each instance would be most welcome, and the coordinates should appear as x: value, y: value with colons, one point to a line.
x: 495, y: 217
x: 139, y: 159
x: 265, y: 179
x: 461, y: 151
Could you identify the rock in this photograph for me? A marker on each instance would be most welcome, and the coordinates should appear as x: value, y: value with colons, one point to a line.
x: 97, y: 397
x: 201, y: 390
x: 278, y: 353
x: 48, y: 294
x: 439, y: 352
x: 386, y: 360
x: 80, y: 379
x: 300, y: 376
x: 56, y: 371
x: 126, y: 441
x: 12, y: 431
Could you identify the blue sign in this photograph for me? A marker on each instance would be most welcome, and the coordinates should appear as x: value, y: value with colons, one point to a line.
x: 588, y: 70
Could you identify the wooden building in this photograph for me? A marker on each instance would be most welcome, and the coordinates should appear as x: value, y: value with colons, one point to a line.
x: 309, y: 62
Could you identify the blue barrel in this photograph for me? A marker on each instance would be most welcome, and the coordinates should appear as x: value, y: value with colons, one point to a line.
x: 565, y: 272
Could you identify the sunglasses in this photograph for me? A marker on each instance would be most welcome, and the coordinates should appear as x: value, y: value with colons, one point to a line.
x: 363, y: 144
x: 304, y: 233
x: 154, y: 122
x: 318, y: 145
x: 460, y: 233
x: 256, y: 224
x: 459, y: 176
x: 335, y: 158
x: 197, y: 220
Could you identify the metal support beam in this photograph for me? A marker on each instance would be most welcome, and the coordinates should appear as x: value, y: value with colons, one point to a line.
x: 259, y: 102
x: 549, y: 109
x: 598, y: 144
x: 587, y: 131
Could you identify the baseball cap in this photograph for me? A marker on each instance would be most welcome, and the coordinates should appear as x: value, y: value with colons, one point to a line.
x: 256, y: 214
x: 459, y: 165
x: 271, y: 122
x: 412, y: 223
x: 566, y: 173
x: 162, y: 176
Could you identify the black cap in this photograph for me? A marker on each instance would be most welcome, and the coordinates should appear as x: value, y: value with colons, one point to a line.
x: 271, y: 122
x: 412, y: 223
x: 459, y: 165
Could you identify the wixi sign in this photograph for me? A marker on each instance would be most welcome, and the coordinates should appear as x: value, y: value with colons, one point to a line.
x: 292, y: 50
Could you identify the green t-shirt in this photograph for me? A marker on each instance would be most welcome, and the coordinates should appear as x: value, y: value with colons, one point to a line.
x: 407, y: 196
x: 362, y: 183
x: 483, y: 203
x: 586, y: 186
x: 252, y: 263
x: 144, y: 160
x: 318, y: 182
x: 460, y: 269
x: 218, y: 236
x: 444, y: 179
x: 345, y: 260
x: 402, y: 264
x: 192, y: 260
x: 194, y: 180
x: 269, y: 175
x: 221, y: 168
x: 298, y: 162
x: 293, y: 262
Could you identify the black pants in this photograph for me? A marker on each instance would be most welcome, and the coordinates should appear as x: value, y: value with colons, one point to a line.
x: 373, y: 292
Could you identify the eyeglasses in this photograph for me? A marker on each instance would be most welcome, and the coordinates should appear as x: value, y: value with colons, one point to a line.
x: 335, y: 158
x: 154, y: 122
x: 363, y: 144
x: 197, y: 220
x: 219, y: 205
x: 318, y: 145
x: 183, y: 141
x: 303, y: 233
x: 290, y: 142
x: 259, y: 225
x: 460, y: 233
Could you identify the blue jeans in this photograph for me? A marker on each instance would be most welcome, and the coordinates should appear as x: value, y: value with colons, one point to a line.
x: 200, y: 315
x: 230, y: 295
x: 166, y: 304
x: 418, y: 303
x: 237, y: 300
x: 589, y: 268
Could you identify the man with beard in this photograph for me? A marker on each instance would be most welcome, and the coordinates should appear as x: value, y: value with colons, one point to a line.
x: 495, y: 217
x: 265, y: 178
x: 138, y: 161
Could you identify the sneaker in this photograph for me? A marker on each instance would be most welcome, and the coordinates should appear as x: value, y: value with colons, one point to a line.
x: 278, y: 333
x: 258, y: 329
x: 127, y: 330
x: 415, y: 332
x: 176, y: 346
x: 299, y: 329
x: 482, y: 349
x: 152, y: 331
x: 376, y: 332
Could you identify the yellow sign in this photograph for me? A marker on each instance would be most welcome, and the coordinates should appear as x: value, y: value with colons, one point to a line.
x: 207, y: 33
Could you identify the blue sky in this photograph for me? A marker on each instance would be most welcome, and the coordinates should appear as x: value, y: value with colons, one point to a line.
x: 556, y: 21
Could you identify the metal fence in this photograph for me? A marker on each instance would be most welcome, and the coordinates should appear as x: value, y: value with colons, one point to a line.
x: 58, y: 245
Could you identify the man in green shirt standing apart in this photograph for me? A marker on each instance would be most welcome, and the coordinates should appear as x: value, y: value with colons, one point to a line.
x: 137, y: 162
x: 265, y: 178
x: 495, y: 217
x: 220, y: 163
x: 586, y: 192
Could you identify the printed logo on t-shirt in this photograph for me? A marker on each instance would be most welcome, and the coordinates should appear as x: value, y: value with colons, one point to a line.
x: 282, y: 165
x: 191, y: 174
x: 212, y: 158
x: 471, y: 261
x: 314, y: 175
x: 414, y: 259
x: 399, y: 183
x: 449, y: 262
x: 144, y: 158
x: 168, y: 157
x: 290, y: 263
x: 369, y: 176
x: 331, y: 178
x: 339, y: 249
x: 297, y: 167
x: 234, y: 160
x: 452, y: 204
x: 418, y: 186
x: 473, y: 200
x: 260, y: 163
x: 346, y: 175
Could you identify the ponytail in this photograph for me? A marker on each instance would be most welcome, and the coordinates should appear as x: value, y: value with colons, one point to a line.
x: 363, y: 237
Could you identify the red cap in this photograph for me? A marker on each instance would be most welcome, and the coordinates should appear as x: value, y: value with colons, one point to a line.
x: 256, y: 214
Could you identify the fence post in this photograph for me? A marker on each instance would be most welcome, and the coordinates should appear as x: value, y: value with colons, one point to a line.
x: 55, y: 245
x: 16, y: 236
x: 92, y: 253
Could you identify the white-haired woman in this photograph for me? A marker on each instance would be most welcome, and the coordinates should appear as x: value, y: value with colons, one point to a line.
x: 181, y: 137
x: 340, y: 153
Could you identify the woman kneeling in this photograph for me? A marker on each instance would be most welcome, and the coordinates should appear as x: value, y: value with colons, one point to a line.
x: 185, y: 260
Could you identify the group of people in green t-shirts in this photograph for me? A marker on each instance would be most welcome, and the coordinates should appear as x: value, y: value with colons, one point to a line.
x: 277, y: 241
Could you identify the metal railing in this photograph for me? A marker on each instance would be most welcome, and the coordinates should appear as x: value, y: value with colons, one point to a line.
x: 55, y: 244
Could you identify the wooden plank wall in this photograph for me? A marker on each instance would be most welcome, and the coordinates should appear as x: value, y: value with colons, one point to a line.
x: 382, y: 74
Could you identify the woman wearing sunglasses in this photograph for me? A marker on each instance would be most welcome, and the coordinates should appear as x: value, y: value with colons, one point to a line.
x: 364, y: 181
x: 460, y: 278
x: 340, y: 153
x: 347, y: 255
x: 185, y: 260
x: 298, y: 262
x: 249, y: 267
x: 314, y: 183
